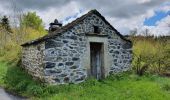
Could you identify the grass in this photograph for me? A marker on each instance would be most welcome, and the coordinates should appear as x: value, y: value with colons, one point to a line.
x: 124, y: 86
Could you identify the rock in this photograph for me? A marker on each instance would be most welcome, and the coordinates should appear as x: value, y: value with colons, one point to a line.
x: 73, y: 67
x: 80, y: 39
x: 115, y: 60
x: 58, y: 59
x: 55, y: 71
x: 124, y: 61
x: 113, y: 47
x: 111, y: 51
x: 65, y: 48
x: 64, y: 54
x: 81, y: 78
x: 75, y: 59
x: 80, y: 73
x: 52, y: 71
x: 51, y: 44
x: 127, y: 45
x: 116, y: 52
x: 69, y: 63
x: 71, y: 74
x: 50, y: 65
x: 130, y: 51
x: 65, y: 41
x: 113, y: 55
x: 73, y: 37
x: 66, y: 79
x: 74, y: 44
x: 60, y: 64
x: 65, y: 59
x: 57, y: 80
x: 63, y: 75
x: 115, y: 64
x: 70, y: 47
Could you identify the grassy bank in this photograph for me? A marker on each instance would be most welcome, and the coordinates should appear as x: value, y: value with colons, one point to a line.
x: 125, y: 86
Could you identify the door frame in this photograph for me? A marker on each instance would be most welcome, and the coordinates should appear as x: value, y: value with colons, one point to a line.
x: 85, y: 62
x: 99, y: 71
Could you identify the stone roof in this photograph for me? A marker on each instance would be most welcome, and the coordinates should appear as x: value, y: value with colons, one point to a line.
x: 70, y: 25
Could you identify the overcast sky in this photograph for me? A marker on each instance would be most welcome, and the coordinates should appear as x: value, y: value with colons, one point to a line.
x: 124, y: 15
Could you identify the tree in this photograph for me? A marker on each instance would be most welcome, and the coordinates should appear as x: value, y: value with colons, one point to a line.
x: 33, y: 21
x: 143, y: 52
x: 5, y: 24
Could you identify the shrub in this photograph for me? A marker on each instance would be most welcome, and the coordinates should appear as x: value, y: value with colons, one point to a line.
x: 166, y: 87
x: 150, y: 55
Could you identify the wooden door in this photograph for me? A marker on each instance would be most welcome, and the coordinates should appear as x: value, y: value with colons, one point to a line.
x: 96, y: 57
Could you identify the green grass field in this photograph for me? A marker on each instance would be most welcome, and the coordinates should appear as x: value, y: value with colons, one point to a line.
x: 126, y: 86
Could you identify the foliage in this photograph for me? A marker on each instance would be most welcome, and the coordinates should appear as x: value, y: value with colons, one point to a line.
x: 142, y: 51
x: 150, y: 54
x: 33, y: 21
x: 10, y: 49
x: 166, y: 87
x: 4, y: 23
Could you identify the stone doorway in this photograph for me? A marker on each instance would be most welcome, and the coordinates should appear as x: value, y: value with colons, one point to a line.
x: 96, y: 60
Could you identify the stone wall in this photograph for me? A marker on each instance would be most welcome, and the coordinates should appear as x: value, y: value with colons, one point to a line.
x: 63, y: 59
x: 122, y: 55
x: 64, y: 52
x: 119, y: 49
x: 32, y: 60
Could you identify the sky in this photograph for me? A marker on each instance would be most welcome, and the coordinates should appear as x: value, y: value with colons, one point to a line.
x: 124, y: 15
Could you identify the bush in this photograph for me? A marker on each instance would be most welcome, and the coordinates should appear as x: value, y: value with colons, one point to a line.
x: 166, y: 87
x: 150, y: 55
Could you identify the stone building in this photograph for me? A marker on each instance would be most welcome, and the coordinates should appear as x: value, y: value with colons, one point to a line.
x: 87, y: 47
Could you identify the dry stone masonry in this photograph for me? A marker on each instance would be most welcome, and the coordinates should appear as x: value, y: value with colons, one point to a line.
x: 64, y: 58
x: 59, y: 60
x: 33, y: 60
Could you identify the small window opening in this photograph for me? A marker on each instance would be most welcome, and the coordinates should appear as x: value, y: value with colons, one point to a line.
x: 96, y: 29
